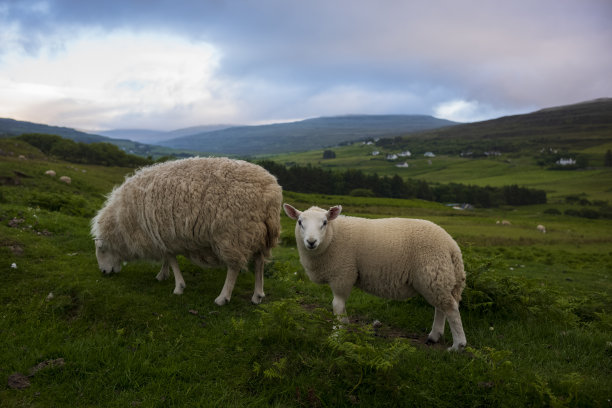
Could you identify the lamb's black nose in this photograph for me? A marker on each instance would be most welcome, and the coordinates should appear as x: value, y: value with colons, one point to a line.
x: 311, y: 244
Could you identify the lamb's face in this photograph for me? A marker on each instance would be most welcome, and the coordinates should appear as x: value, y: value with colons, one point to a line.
x: 108, y: 262
x: 312, y: 224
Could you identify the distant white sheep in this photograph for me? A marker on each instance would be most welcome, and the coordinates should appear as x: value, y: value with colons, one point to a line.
x: 215, y: 211
x: 66, y: 179
x: 393, y: 258
x: 50, y: 173
x: 541, y: 228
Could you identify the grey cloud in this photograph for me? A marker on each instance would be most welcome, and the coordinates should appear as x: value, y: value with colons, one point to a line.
x: 511, y: 55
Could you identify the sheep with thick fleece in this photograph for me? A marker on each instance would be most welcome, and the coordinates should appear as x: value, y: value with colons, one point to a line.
x: 393, y: 258
x: 214, y: 211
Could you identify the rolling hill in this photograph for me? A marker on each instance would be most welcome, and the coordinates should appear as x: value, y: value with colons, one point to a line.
x: 569, y: 127
x: 304, y: 135
x: 150, y: 136
x: 11, y: 128
x: 519, y: 149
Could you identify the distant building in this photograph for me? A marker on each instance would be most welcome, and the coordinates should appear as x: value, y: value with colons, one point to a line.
x: 402, y: 165
x: 405, y: 154
x: 375, y: 153
x: 429, y: 154
x: 566, y: 162
x: 392, y: 156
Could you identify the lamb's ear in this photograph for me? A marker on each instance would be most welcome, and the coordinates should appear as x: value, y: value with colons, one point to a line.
x: 291, y: 212
x: 334, y: 212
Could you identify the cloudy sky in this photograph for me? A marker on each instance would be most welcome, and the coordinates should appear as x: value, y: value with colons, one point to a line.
x: 168, y: 64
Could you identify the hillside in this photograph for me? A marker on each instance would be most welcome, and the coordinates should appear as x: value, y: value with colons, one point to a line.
x: 150, y: 136
x: 577, y: 126
x: 304, y: 135
x: 536, y: 311
x: 521, y: 149
x: 11, y: 128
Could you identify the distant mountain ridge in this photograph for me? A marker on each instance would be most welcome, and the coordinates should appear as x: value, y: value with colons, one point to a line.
x: 582, y: 124
x: 304, y: 135
x: 12, y: 127
x: 154, y: 136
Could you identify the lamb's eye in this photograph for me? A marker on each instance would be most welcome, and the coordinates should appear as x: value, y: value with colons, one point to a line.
x: 300, y: 223
x: 324, y: 222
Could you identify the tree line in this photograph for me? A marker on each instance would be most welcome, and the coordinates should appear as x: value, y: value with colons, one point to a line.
x: 104, y: 154
x: 311, y: 179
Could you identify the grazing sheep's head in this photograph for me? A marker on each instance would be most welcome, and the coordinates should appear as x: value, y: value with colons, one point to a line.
x: 312, y: 224
x: 108, y: 261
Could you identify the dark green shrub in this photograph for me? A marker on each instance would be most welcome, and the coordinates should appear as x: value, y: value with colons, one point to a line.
x: 486, y: 293
x: 362, y: 192
x: 66, y: 203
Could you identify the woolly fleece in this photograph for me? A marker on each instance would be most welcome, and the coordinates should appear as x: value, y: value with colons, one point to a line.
x: 215, y: 211
x: 393, y: 258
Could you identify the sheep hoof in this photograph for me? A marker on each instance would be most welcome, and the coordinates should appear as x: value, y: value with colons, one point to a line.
x: 433, y: 338
x: 161, y: 276
x: 257, y: 298
x: 178, y: 289
x: 221, y: 300
x: 458, y: 348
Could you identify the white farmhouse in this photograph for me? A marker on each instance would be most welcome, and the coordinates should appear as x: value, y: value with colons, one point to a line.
x: 405, y: 154
x: 402, y: 165
x: 566, y: 162
x: 375, y: 153
x: 429, y: 154
x: 392, y: 156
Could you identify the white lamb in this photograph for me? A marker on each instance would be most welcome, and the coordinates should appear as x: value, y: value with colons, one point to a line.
x: 393, y: 258
x: 215, y: 211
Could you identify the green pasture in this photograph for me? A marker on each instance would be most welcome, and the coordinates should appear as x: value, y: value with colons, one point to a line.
x: 536, y: 312
x: 516, y: 168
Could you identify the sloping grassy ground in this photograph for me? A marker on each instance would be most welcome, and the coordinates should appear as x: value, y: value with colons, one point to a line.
x: 516, y: 168
x: 536, y: 314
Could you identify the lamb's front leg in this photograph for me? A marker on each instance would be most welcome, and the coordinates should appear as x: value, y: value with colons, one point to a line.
x: 341, y: 293
x: 179, y: 282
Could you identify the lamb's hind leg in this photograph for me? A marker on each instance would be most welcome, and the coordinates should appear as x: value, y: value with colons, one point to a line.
x: 164, y: 273
x: 437, y: 329
x: 454, y: 321
x: 179, y: 282
x: 259, y: 294
x: 228, y: 286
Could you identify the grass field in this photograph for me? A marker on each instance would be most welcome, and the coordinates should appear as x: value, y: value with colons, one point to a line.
x: 536, y: 311
x: 523, y: 170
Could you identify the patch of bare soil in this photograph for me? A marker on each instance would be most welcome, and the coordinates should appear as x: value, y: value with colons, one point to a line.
x: 18, y: 381
x: 386, y: 331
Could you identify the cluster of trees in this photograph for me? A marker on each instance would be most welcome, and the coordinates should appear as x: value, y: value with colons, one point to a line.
x: 104, y: 154
x: 311, y: 179
x: 329, y: 154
